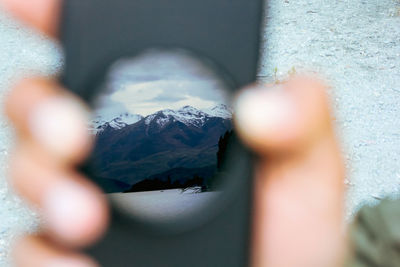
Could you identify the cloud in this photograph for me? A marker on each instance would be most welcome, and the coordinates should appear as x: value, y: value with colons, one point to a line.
x: 169, y: 98
x: 159, y: 81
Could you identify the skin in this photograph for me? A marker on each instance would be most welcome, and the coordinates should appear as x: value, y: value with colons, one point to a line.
x: 299, y: 178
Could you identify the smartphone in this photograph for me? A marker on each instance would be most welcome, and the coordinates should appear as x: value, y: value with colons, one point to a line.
x: 160, y: 76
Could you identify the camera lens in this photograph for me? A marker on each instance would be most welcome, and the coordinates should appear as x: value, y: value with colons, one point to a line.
x: 162, y: 124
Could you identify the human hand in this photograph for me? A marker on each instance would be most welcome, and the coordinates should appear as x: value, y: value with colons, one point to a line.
x: 299, y: 185
x: 52, y: 138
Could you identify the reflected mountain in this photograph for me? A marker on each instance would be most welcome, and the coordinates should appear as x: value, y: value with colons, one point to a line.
x: 170, y: 147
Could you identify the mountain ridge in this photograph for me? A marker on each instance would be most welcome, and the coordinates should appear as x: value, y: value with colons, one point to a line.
x: 183, y: 141
x: 188, y: 115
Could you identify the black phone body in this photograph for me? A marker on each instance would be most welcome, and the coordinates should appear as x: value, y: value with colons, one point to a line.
x: 94, y: 33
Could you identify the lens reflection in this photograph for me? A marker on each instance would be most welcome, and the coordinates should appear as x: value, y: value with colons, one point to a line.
x: 162, y: 125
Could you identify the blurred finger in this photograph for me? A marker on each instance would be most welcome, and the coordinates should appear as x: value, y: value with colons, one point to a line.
x: 34, y: 251
x: 300, y: 203
x: 74, y: 210
x: 41, y: 110
x: 299, y: 181
x: 282, y: 117
x: 44, y: 15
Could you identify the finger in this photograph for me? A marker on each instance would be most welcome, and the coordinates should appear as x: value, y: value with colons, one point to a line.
x: 57, y: 121
x: 36, y: 251
x: 299, y: 183
x: 74, y: 210
x: 299, y: 208
x: 283, y: 117
x: 44, y: 15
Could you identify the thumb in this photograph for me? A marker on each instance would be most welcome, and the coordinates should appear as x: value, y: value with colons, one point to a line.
x: 299, y: 177
x: 282, y: 118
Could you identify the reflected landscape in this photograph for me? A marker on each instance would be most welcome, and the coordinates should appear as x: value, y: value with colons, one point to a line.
x: 162, y: 129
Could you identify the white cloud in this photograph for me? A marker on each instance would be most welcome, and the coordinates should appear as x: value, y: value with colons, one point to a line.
x: 161, y: 81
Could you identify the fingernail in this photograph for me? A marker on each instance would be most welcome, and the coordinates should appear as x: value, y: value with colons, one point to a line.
x: 60, y: 125
x: 70, y: 262
x: 70, y: 210
x: 260, y: 110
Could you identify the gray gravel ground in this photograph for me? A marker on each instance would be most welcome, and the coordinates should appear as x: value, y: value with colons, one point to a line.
x: 355, y: 44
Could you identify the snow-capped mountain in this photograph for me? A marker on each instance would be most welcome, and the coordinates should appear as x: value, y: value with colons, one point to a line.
x: 168, y: 142
x: 187, y: 115
x: 220, y: 111
x: 117, y: 122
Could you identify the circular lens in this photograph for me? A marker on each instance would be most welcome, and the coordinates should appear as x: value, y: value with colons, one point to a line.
x: 162, y: 124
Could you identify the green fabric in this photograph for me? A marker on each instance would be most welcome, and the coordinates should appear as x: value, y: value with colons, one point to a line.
x: 375, y: 236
